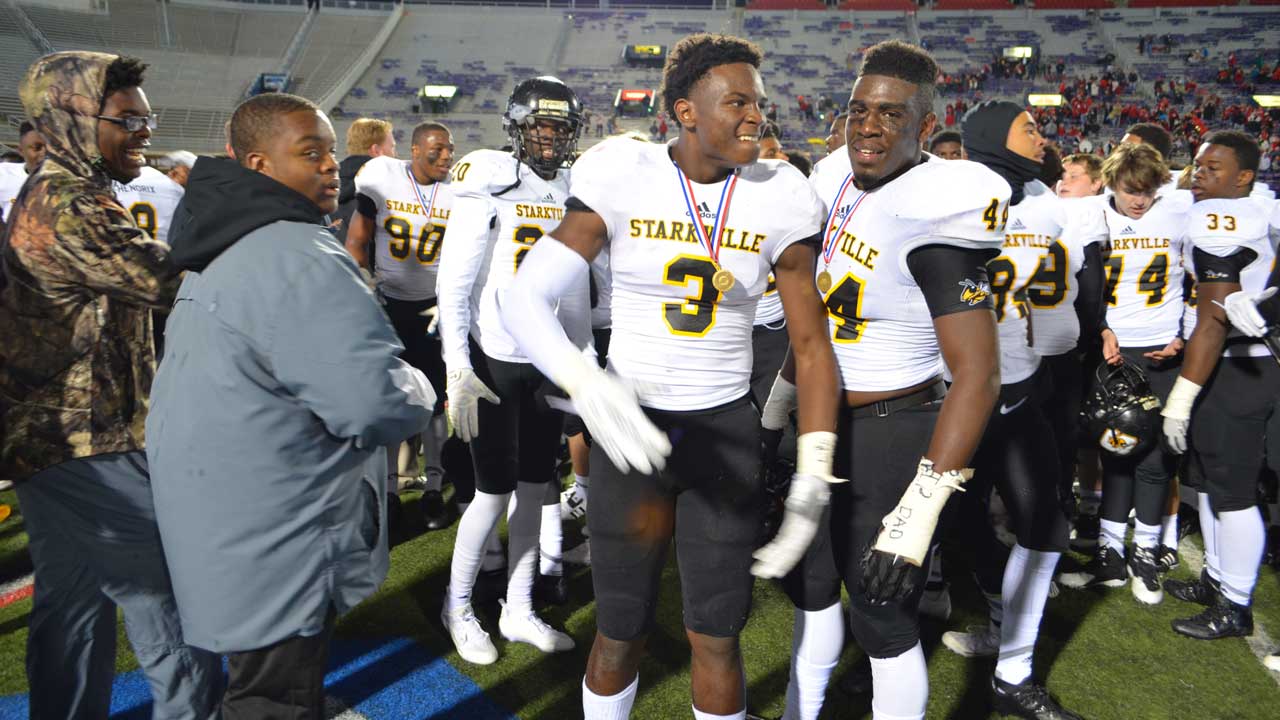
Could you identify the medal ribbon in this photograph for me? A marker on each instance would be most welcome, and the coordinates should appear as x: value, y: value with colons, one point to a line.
x: 711, y: 244
x: 830, y: 241
x: 413, y: 183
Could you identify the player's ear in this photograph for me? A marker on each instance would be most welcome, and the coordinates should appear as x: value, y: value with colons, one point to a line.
x: 684, y: 112
x: 257, y: 162
x: 1244, y: 177
x: 927, y: 124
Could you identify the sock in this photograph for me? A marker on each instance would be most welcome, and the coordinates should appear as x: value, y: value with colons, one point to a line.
x: 479, y: 520
x: 1242, y: 539
x: 524, y: 515
x: 1144, y: 535
x: 1112, y: 534
x: 935, y: 565
x: 550, y: 539
x: 900, y: 686
x: 817, y: 636
x: 1169, y: 531
x: 699, y: 715
x: 582, y: 481
x: 1209, y: 531
x: 1027, y: 577
x: 608, y: 707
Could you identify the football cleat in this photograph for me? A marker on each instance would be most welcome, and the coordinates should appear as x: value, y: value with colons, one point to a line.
x: 1272, y: 661
x: 573, y: 503
x: 1203, y: 590
x: 1145, y: 571
x: 527, y: 627
x: 1027, y: 699
x: 979, y: 641
x: 1106, y: 568
x: 1167, y: 558
x: 469, y: 638
x: 1222, y: 619
x: 436, y: 513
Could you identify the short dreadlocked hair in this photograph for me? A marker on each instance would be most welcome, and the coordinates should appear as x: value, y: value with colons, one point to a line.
x: 907, y: 62
x: 123, y: 73
x: 255, y: 120
x: 695, y: 56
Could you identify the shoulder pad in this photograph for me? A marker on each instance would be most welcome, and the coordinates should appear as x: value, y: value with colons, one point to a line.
x: 1220, y: 227
x: 1179, y: 200
x: 606, y: 157
x: 941, y: 189
x: 1262, y: 191
x: 835, y: 163
x: 483, y: 172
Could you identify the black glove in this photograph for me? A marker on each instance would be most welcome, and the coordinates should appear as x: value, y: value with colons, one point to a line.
x: 886, y: 578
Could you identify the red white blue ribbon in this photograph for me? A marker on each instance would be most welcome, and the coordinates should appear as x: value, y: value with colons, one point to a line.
x: 413, y: 183
x: 712, y: 243
x: 831, y: 240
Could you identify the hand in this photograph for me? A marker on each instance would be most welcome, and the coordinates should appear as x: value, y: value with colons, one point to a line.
x: 432, y: 314
x: 610, y: 408
x: 1177, y: 413
x: 1175, y: 433
x: 1111, y: 348
x: 1168, y: 351
x: 886, y: 578
x: 1242, y: 311
x: 806, y: 501
x: 465, y: 391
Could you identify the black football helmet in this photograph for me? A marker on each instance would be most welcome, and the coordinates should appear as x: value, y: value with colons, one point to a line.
x: 1122, y: 414
x: 543, y: 99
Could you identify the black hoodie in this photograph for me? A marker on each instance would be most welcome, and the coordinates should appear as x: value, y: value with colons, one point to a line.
x: 347, y: 194
x: 223, y: 203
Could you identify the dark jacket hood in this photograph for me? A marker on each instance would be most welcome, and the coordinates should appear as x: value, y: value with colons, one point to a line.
x: 347, y: 170
x: 223, y: 203
x: 62, y: 93
x: 986, y: 137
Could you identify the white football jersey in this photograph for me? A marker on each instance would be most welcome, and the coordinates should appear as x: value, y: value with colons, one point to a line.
x: 769, y: 311
x: 1225, y: 227
x: 12, y: 177
x: 1053, y: 290
x: 602, y: 300
x: 151, y: 199
x: 482, y: 251
x: 1144, y: 272
x: 879, y: 321
x: 689, y: 342
x: 406, y: 243
x: 1031, y: 235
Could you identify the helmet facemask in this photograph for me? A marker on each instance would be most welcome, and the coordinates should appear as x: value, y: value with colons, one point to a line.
x: 546, y: 136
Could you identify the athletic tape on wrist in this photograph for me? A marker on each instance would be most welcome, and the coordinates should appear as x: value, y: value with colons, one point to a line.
x: 814, y: 453
x: 1181, y: 399
x: 908, y: 528
x: 782, y: 399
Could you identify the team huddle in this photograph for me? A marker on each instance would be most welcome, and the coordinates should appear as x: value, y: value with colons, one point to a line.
x: 815, y: 379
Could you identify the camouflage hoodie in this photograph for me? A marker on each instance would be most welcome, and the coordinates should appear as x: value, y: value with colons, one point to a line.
x: 77, y: 279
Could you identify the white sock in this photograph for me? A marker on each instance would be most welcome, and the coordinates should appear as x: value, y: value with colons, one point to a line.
x: 817, y: 637
x: 608, y: 707
x: 1242, y: 539
x: 1112, y: 534
x: 582, y: 481
x: 1144, y: 535
x: 478, y: 521
x: 699, y: 715
x: 551, y: 539
x: 1027, y: 577
x: 900, y: 686
x: 1209, y: 532
x: 524, y: 516
x: 1169, y: 531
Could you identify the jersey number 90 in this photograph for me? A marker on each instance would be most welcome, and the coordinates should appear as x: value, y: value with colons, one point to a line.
x: 401, y: 233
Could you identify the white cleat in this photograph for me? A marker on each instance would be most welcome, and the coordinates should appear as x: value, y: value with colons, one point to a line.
x: 1272, y: 661
x: 529, y: 628
x: 469, y: 638
x: 979, y: 641
x: 573, y: 503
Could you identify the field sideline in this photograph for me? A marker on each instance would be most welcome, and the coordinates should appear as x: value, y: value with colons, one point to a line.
x: 1105, y: 656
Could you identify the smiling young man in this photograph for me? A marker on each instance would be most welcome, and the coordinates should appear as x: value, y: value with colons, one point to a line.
x: 693, y: 229
x: 1231, y: 381
x: 78, y: 282
x: 905, y: 285
x: 279, y: 389
x: 12, y: 175
x: 402, y: 209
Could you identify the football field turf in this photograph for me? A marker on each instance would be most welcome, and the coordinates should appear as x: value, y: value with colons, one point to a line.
x: 1104, y: 655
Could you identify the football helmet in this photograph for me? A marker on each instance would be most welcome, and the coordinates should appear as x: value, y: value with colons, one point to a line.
x: 543, y: 100
x: 1122, y: 413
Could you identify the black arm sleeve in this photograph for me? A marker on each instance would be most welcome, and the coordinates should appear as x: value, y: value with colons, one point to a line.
x: 367, y: 207
x: 953, y: 279
x: 1090, y: 307
x: 1211, y: 268
x: 575, y: 204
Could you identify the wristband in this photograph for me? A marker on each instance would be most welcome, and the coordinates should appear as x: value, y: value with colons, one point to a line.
x: 814, y: 453
x: 777, y: 409
x: 1181, y: 398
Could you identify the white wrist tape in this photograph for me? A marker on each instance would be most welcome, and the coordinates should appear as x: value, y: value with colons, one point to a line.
x: 1181, y: 398
x: 908, y: 529
x: 814, y: 451
x: 777, y: 409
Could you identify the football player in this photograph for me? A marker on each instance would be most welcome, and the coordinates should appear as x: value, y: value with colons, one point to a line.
x: 1235, y: 381
x: 905, y: 285
x: 151, y: 198
x: 402, y: 209
x: 1144, y: 269
x: 1019, y: 454
x: 948, y: 145
x: 693, y: 229
x: 12, y: 175
x: 771, y: 143
x: 503, y: 204
x: 180, y: 164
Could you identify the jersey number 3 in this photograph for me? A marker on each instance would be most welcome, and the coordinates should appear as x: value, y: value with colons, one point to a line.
x: 695, y: 316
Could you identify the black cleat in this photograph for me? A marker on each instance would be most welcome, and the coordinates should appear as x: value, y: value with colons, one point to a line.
x: 1203, y: 590
x: 1027, y: 700
x: 1145, y: 571
x: 1167, y: 558
x: 1222, y: 619
x: 1105, y: 568
x: 436, y: 513
x: 551, y: 589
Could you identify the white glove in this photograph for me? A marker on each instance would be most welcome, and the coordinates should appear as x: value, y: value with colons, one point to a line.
x: 777, y: 409
x: 1242, y: 311
x: 806, y: 500
x: 432, y: 314
x: 1177, y: 413
x: 610, y: 408
x: 465, y: 391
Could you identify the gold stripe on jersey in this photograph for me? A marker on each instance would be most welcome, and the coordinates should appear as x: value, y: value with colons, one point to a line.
x: 413, y: 208
x: 539, y: 212
x: 685, y: 231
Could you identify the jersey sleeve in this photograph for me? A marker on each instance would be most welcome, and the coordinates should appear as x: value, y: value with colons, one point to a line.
x: 370, y: 181
x: 466, y: 242
x: 799, y: 204
x: 1221, y: 227
x: 955, y: 202
x: 1084, y: 223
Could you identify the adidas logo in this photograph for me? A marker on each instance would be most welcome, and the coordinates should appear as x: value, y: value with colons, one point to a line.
x: 1128, y: 230
x: 704, y: 210
x: 704, y: 207
x: 549, y: 198
x: 1017, y: 225
x: 844, y: 210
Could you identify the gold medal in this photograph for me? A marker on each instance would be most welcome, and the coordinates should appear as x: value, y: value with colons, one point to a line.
x: 722, y: 280
x: 824, y: 282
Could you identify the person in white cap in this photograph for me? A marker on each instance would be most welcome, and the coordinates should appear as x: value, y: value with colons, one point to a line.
x: 181, y: 163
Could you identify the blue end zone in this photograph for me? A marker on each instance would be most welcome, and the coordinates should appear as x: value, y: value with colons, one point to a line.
x: 381, y: 680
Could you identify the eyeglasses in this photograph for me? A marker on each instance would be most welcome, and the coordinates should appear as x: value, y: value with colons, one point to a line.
x: 133, y: 123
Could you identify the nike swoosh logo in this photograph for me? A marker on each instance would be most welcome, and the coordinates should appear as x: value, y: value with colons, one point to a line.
x: 1006, y: 409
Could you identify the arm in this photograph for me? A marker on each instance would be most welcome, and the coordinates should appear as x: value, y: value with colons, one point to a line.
x: 466, y: 243
x: 969, y: 347
x: 361, y: 229
x: 812, y: 362
x: 1089, y: 306
x: 100, y: 247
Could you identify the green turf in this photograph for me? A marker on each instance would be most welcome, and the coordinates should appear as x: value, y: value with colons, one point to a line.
x: 1105, y: 656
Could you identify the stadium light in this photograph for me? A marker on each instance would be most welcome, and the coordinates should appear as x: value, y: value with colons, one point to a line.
x: 1267, y: 101
x: 1044, y: 99
x: 445, y: 92
x: 1019, y: 51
